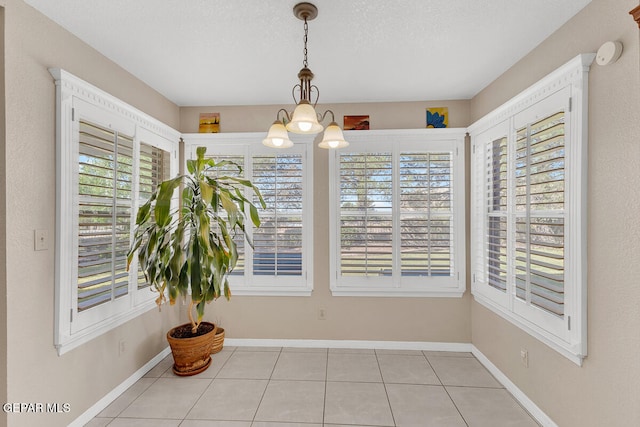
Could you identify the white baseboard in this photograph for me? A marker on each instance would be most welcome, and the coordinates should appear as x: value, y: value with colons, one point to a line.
x: 382, y: 345
x: 94, y: 410
x: 527, y: 403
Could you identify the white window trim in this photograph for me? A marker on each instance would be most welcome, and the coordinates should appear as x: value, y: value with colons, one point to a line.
x: 71, y: 92
x: 573, y: 78
x: 451, y: 139
x: 247, y: 144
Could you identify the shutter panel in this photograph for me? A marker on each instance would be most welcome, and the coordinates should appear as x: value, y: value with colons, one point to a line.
x: 426, y: 206
x: 278, y: 240
x: 366, y: 223
x: 540, y: 164
x: 496, y: 193
x: 154, y: 167
x: 105, y: 185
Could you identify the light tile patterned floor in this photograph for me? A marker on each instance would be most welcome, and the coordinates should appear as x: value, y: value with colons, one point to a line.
x: 292, y: 387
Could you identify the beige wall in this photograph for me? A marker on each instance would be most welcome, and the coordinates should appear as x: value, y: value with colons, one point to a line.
x: 3, y: 227
x: 35, y: 372
x: 382, y: 115
x: 606, y: 389
x: 348, y: 318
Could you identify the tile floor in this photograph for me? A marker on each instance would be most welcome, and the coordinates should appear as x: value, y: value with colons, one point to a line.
x: 293, y: 387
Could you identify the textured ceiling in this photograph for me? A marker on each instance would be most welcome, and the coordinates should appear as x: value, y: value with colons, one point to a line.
x: 248, y: 52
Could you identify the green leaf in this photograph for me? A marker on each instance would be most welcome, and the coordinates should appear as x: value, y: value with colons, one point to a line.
x: 207, y: 192
x: 253, y: 212
x: 200, y: 161
x: 163, y: 201
x: 191, y: 166
x: 228, y: 204
x: 143, y: 212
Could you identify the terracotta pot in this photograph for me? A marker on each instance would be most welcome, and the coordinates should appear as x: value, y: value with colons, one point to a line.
x: 218, y: 341
x: 191, y: 355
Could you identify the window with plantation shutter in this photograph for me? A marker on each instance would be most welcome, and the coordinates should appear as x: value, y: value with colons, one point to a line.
x: 528, y: 210
x: 110, y: 157
x: 397, y: 219
x: 279, y: 263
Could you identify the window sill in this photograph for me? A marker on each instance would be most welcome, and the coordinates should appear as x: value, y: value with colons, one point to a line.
x: 272, y: 292
x: 66, y: 343
x: 406, y: 293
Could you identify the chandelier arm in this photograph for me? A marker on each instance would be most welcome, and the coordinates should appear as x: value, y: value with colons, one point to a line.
x: 311, y: 88
x: 286, y: 114
x: 293, y: 92
x: 324, y: 116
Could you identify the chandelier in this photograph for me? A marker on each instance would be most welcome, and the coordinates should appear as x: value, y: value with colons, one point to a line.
x: 304, y: 119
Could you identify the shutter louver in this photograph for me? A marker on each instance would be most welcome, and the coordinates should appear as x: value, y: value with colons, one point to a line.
x: 426, y: 214
x: 366, y: 223
x: 540, y: 164
x: 104, y: 194
x: 278, y: 240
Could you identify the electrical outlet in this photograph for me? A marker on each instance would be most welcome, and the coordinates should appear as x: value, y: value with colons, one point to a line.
x: 322, y: 314
x: 41, y: 240
x: 524, y: 357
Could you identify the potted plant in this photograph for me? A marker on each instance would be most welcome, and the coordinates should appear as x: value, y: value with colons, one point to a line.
x: 191, y: 249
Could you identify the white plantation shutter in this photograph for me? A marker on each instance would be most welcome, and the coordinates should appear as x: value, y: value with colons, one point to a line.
x: 366, y: 188
x: 104, y: 215
x: 278, y: 240
x: 521, y: 213
x: 426, y: 210
x: 539, y: 189
x: 398, y: 214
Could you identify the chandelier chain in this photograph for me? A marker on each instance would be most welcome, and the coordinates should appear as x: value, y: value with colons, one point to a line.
x: 305, y: 63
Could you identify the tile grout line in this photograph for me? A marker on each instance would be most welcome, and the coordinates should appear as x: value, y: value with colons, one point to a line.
x: 445, y: 390
x: 253, y: 420
x: 207, y: 387
x: 384, y: 384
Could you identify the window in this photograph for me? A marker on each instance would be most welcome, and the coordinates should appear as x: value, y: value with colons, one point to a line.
x: 280, y: 262
x: 528, y: 214
x: 110, y: 157
x: 397, y: 214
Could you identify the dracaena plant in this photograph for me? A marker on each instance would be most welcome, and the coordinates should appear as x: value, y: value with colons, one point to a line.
x: 192, y: 248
